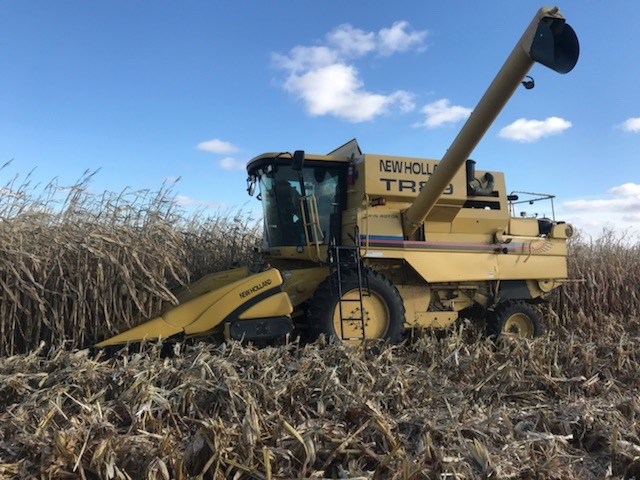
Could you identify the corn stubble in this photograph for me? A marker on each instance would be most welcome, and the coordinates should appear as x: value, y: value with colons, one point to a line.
x: 438, y: 406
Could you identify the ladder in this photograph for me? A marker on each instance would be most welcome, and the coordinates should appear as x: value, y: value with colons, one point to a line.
x: 343, y: 261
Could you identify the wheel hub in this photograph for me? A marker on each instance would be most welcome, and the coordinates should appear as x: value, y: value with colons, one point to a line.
x: 375, y: 316
x: 519, y: 324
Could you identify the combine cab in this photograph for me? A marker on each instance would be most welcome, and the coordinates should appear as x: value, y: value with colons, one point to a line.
x: 363, y: 246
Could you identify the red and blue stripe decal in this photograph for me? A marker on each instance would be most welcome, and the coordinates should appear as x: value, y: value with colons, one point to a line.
x: 391, y: 241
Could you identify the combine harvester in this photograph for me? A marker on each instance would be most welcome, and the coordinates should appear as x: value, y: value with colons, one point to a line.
x: 363, y: 246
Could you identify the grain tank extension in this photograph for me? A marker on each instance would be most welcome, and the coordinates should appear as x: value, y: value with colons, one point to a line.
x: 362, y: 246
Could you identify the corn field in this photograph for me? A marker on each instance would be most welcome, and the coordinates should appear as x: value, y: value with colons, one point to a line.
x: 82, y: 266
x: 77, y: 266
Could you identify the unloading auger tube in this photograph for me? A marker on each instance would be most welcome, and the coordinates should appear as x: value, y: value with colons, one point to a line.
x: 547, y: 40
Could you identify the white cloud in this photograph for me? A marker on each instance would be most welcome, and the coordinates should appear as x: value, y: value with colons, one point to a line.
x: 619, y: 210
x: 217, y: 146
x: 404, y: 100
x: 325, y: 79
x: 397, y: 39
x: 631, y: 125
x: 605, y: 204
x: 302, y: 59
x: 230, y: 163
x: 221, y: 147
x: 632, y: 217
x: 352, y: 42
x: 523, y: 130
x: 595, y: 224
x: 626, y: 189
x: 441, y: 111
x: 622, y: 199
x: 337, y: 90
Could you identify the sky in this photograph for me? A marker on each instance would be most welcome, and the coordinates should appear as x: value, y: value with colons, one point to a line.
x: 160, y: 91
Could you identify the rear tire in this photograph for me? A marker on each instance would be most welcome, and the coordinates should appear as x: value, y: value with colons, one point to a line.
x: 515, y: 318
x: 383, y: 309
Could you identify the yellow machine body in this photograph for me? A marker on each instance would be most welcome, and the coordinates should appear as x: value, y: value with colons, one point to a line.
x: 369, y: 245
x: 469, y: 250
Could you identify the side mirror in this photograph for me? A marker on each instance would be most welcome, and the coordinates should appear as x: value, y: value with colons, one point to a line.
x: 251, y: 185
x: 298, y: 160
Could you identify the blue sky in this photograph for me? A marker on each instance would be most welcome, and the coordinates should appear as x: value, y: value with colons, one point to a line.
x: 155, y: 90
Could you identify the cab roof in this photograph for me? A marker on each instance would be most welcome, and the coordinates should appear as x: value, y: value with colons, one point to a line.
x: 286, y: 158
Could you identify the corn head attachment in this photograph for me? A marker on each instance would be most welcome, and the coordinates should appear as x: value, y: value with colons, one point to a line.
x: 236, y: 302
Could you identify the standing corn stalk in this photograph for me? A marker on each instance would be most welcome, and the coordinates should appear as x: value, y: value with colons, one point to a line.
x: 78, y: 267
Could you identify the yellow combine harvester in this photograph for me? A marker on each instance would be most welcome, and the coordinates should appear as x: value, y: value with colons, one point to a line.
x: 362, y: 246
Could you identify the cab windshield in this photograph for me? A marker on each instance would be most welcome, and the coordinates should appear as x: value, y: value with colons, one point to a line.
x: 283, y: 200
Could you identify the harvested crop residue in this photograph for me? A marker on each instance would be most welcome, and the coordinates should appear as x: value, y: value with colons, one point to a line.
x: 454, y: 406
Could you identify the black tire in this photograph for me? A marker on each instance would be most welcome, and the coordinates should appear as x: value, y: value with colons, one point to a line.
x: 515, y: 318
x: 323, y: 314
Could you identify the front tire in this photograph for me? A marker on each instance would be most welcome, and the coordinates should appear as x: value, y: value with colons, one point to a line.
x: 383, y: 313
x: 515, y: 318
